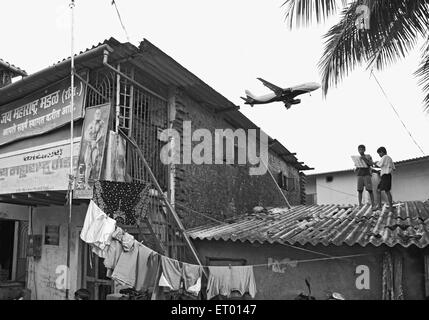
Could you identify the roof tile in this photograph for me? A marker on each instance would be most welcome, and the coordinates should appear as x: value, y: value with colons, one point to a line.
x: 327, y: 224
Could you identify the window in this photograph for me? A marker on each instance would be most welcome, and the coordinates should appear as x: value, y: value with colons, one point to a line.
x: 329, y: 178
x: 286, y: 183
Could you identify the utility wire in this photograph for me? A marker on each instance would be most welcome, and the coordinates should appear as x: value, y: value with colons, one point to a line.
x: 396, y: 112
x: 120, y: 20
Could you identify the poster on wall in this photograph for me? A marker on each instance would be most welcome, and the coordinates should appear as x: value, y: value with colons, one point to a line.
x: 91, y: 154
x: 41, y: 111
x: 115, y: 169
x: 42, y: 170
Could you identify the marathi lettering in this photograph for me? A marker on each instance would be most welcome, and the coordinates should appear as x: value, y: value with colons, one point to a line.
x: 41, y: 112
x: 50, y: 100
x: 6, y: 117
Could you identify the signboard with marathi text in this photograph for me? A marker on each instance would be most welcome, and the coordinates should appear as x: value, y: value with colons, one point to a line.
x: 42, y: 170
x: 41, y: 111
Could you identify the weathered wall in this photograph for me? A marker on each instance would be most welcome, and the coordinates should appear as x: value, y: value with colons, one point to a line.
x: 42, y: 272
x: 223, y: 190
x: 325, y: 276
x: 13, y: 212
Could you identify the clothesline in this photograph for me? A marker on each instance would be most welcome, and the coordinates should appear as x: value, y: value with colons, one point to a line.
x: 270, y: 264
x: 131, y: 263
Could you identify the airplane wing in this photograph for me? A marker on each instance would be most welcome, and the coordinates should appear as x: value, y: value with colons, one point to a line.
x: 277, y: 90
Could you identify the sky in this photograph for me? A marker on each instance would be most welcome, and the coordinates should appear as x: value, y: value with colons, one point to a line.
x: 228, y: 44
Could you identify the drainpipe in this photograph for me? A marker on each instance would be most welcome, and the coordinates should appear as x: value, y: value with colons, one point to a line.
x: 105, y: 63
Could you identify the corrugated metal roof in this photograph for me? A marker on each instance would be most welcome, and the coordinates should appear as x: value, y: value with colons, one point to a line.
x: 13, y: 68
x: 327, y: 225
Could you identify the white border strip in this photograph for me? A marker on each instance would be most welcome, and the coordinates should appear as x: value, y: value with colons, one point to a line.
x: 38, y: 148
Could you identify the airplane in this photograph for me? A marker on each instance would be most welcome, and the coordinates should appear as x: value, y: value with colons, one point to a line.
x: 286, y: 95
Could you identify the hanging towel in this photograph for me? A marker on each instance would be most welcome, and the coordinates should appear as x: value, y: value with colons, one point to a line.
x: 126, y: 239
x: 97, y: 229
x: 191, y: 275
x: 147, y: 267
x: 112, y: 256
x: 122, y: 201
x: 172, y: 272
x: 223, y: 280
x: 126, y: 269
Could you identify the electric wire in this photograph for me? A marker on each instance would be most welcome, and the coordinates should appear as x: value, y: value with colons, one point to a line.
x: 120, y: 20
x: 397, y: 114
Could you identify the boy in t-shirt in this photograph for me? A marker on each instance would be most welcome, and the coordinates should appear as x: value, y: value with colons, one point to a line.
x: 387, y: 166
x: 364, y: 176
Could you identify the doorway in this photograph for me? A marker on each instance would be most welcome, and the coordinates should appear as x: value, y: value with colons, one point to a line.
x: 7, y: 239
x: 94, y: 275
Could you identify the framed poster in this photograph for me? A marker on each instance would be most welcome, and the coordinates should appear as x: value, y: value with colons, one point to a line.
x: 92, y: 146
x: 115, y: 169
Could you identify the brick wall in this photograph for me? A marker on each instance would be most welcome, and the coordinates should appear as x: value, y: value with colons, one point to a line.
x: 223, y: 190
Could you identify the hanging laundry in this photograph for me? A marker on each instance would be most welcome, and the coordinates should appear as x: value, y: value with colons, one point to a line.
x: 180, y: 276
x: 126, y: 269
x: 223, y: 280
x: 172, y: 272
x: 113, y: 254
x: 191, y: 275
x: 148, y: 263
x: 126, y: 239
x: 122, y: 201
x: 97, y: 229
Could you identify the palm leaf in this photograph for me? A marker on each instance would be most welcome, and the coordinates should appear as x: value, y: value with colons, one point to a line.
x: 303, y: 12
x: 394, y: 29
x: 423, y: 73
x: 345, y: 47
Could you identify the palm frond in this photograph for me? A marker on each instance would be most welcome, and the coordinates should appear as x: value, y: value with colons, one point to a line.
x: 345, y: 47
x: 303, y: 12
x: 395, y: 28
x: 423, y: 73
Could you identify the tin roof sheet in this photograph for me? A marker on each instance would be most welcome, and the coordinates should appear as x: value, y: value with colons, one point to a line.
x: 18, y: 71
x: 328, y: 225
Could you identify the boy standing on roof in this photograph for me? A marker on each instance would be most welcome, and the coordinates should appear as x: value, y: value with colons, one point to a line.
x: 364, y: 176
x: 387, y: 166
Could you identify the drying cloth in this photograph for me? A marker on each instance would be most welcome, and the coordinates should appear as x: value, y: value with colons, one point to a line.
x: 147, y: 267
x: 127, y: 203
x: 113, y: 254
x: 191, y: 275
x: 126, y: 239
x: 195, y: 288
x: 126, y: 269
x: 98, y: 228
x: 172, y: 271
x: 224, y: 280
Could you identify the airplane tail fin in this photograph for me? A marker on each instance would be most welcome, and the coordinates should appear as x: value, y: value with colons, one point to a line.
x: 249, y: 98
x: 249, y: 94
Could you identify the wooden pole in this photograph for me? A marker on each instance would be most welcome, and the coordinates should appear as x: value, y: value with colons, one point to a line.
x: 167, y: 202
